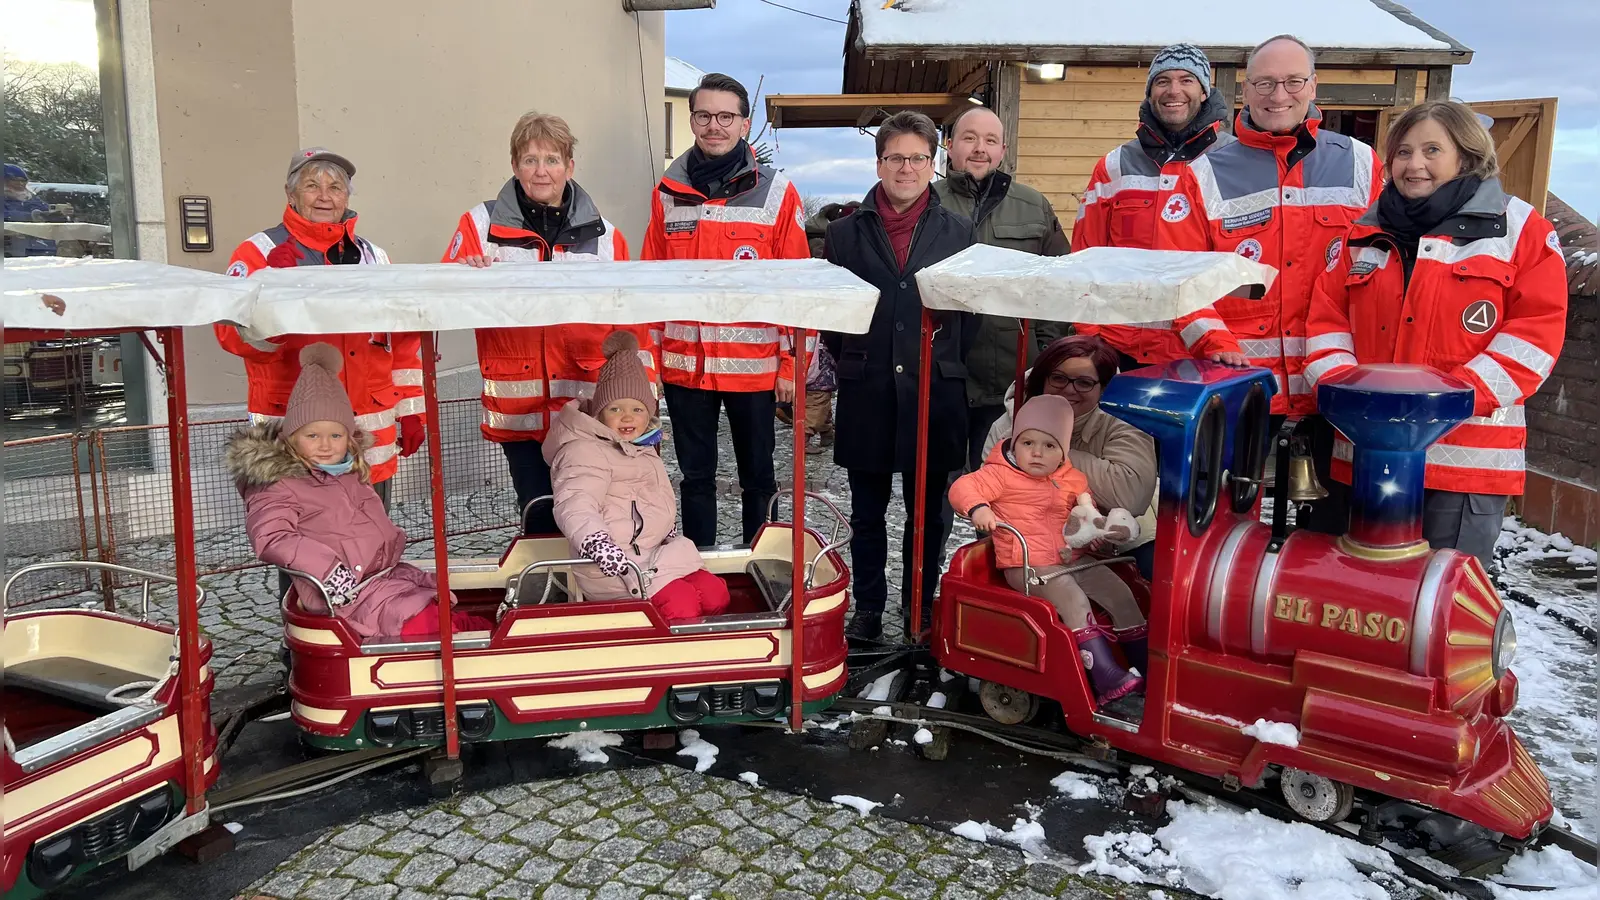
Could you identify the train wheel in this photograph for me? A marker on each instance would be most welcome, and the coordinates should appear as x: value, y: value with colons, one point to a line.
x: 1007, y: 705
x: 1315, y: 798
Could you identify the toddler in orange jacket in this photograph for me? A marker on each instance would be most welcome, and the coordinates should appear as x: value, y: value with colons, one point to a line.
x: 1029, y: 483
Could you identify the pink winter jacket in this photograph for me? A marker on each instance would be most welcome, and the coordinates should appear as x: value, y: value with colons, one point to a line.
x: 312, y: 521
x: 603, y: 483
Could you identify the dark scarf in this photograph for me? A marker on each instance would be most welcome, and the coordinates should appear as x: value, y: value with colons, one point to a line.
x: 901, y: 226
x: 1186, y: 143
x: 708, y: 174
x: 545, y: 221
x: 1408, y: 221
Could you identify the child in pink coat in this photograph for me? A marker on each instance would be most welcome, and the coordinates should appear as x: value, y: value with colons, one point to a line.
x: 309, y: 507
x: 1029, y: 483
x: 613, y: 499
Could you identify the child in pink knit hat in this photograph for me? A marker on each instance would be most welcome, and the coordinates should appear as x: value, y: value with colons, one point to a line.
x: 309, y: 507
x: 1029, y: 483
x: 614, y: 501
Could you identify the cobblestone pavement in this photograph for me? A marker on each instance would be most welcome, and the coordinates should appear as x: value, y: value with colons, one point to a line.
x: 658, y: 833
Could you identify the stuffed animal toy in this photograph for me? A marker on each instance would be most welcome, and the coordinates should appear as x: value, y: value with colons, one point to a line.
x: 1086, y: 525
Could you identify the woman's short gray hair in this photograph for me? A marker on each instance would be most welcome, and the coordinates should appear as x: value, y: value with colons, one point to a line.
x: 317, y: 167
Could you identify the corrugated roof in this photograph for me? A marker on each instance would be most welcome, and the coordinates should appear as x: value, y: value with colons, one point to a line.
x: 1580, y: 243
x: 681, y: 76
x: 1353, y: 24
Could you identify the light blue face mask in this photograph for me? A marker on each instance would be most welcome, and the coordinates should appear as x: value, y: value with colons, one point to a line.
x: 339, y: 468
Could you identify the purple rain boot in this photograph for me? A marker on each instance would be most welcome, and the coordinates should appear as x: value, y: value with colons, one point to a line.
x: 1135, y: 644
x: 1109, y: 680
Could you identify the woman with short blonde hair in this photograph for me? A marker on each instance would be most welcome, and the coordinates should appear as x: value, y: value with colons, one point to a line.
x: 1447, y: 270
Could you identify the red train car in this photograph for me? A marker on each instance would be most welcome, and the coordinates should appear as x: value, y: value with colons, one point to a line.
x: 1389, y: 660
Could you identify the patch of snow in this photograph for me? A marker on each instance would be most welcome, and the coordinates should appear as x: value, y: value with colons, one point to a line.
x: 1213, y: 717
x: 946, y: 676
x: 750, y: 778
x: 923, y: 736
x: 703, y: 751
x: 589, y: 745
x: 1237, y: 855
x: 233, y: 827
x: 1026, y: 835
x: 972, y: 831
x: 878, y: 690
x: 938, y: 700
x: 1088, y: 23
x: 830, y: 724
x: 1547, y: 867
x: 883, y: 710
x: 1140, y: 771
x: 1273, y: 733
x: 859, y: 804
x: 1076, y: 786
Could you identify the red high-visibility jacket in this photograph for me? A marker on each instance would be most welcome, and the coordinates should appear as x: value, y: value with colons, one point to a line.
x: 758, y: 216
x: 382, y: 372
x: 1120, y: 208
x: 529, y: 374
x: 1486, y: 302
x: 1282, y: 199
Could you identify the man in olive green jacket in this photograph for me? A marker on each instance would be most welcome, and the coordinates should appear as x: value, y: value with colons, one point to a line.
x: 1004, y: 213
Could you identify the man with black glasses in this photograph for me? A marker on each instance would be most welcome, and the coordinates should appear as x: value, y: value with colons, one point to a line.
x: 902, y: 226
x: 718, y: 202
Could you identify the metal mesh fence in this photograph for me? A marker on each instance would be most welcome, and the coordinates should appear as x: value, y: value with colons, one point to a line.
x: 106, y: 495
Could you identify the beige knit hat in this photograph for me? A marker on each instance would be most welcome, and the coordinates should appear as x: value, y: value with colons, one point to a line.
x: 318, y: 396
x: 623, y: 376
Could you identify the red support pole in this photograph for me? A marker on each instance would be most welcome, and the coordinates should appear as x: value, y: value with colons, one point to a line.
x: 441, y: 549
x: 1022, y: 367
x: 919, y: 512
x: 797, y: 606
x: 191, y: 717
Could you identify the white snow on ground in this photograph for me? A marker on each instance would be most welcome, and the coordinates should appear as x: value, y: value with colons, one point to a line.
x: 1273, y: 733
x: 937, y: 701
x: 1547, y: 867
x: 703, y: 751
x: 859, y: 804
x: 946, y: 676
x: 1236, y: 855
x: 1076, y: 786
x: 1555, y: 717
x: 923, y: 736
x: 750, y: 778
x: 878, y: 690
x: 972, y: 831
x: 589, y: 745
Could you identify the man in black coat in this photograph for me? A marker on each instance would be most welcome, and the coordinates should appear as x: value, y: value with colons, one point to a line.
x: 899, y: 229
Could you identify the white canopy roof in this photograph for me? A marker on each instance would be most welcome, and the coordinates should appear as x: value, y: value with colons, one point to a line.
x: 1098, y: 286
x: 55, y: 294
x: 1325, y: 24
x: 803, y: 293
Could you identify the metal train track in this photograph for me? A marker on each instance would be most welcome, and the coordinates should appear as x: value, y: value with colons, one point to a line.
x: 1067, y: 747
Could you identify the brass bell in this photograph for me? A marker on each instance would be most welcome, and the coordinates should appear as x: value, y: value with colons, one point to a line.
x: 1303, y: 484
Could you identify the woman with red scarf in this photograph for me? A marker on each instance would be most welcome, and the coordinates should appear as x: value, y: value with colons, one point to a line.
x: 382, y: 372
x: 899, y: 229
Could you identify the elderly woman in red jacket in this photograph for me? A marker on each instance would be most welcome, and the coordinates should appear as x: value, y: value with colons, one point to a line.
x: 1449, y: 271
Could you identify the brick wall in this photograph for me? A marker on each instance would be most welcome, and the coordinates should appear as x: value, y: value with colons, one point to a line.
x: 1563, y: 490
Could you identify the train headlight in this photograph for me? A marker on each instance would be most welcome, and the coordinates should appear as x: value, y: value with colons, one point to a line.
x: 1504, y: 648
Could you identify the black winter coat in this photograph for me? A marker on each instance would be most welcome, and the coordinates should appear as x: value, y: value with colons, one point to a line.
x: 876, y: 420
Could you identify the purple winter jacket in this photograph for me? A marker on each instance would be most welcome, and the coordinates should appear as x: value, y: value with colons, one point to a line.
x: 311, y: 521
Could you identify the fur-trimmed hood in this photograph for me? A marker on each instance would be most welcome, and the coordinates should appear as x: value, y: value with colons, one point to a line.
x: 257, y: 456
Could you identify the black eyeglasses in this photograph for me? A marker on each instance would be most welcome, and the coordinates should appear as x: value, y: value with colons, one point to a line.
x: 1265, y: 86
x: 704, y: 118
x: 1083, y: 384
x: 918, y: 161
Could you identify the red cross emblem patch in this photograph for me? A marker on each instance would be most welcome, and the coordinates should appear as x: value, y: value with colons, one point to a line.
x: 1250, y: 249
x: 1176, y: 208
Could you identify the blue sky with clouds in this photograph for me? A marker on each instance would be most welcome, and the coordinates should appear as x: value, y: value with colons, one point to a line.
x: 1540, y: 51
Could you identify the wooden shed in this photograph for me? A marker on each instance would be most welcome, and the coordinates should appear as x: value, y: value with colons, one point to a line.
x: 1067, y: 76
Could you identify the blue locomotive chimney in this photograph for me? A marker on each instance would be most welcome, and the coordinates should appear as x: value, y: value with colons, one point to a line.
x: 1392, y: 413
